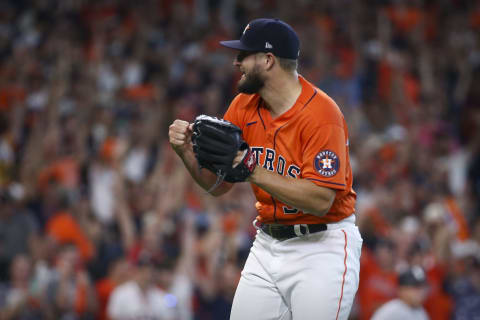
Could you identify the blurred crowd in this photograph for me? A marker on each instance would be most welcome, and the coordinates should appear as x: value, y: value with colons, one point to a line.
x: 100, y: 220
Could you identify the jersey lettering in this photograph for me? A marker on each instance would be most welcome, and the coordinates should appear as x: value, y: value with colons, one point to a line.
x: 269, y: 158
x: 293, y: 171
x: 281, y: 165
x: 257, y: 151
x: 268, y: 163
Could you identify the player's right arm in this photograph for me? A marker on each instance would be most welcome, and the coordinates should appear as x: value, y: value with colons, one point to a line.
x: 180, y: 136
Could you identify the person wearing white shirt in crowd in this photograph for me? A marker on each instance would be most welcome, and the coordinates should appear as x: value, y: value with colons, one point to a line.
x: 141, y: 298
x: 411, y: 294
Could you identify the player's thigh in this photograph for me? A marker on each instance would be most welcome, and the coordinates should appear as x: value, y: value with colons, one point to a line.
x: 327, y: 286
x: 257, y: 300
x: 256, y: 297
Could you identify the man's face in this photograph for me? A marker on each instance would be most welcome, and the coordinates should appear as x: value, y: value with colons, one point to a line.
x: 251, y: 81
x: 145, y: 274
x: 413, y: 295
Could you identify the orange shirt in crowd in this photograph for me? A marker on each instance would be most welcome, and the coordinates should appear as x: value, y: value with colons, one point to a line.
x: 64, y: 171
x: 104, y: 288
x: 404, y: 19
x: 457, y: 217
x: 140, y: 92
x: 63, y: 228
x: 475, y: 18
x: 376, y: 287
x: 438, y: 303
x: 80, y: 303
x: 10, y: 95
x: 309, y: 141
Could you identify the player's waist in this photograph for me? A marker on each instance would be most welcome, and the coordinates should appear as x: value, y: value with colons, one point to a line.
x: 276, y: 214
x: 284, y: 232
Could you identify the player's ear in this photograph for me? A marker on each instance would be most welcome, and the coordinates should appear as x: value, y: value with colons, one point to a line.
x: 269, y: 61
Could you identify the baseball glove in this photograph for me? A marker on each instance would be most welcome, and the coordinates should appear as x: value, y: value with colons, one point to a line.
x: 216, y: 143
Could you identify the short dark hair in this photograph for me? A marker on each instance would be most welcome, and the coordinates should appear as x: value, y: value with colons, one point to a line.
x: 288, y: 64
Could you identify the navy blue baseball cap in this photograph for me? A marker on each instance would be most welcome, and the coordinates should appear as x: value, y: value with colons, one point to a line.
x: 267, y: 35
x: 412, y: 277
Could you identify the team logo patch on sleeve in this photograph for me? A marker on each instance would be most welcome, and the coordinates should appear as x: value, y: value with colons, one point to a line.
x: 326, y: 163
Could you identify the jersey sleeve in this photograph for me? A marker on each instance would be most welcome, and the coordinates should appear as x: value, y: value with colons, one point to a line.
x: 324, y: 157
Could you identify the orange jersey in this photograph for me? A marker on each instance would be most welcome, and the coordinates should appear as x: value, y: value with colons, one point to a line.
x: 309, y: 141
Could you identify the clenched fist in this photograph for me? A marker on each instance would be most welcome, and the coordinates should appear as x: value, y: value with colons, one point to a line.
x: 180, y: 135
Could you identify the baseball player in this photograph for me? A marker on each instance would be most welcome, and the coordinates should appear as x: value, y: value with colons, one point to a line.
x: 304, y: 262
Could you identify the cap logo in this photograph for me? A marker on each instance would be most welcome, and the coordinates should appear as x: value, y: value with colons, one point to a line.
x: 246, y: 28
x: 268, y: 45
x: 418, y: 273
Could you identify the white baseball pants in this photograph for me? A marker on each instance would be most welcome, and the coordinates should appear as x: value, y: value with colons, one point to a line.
x: 310, y: 277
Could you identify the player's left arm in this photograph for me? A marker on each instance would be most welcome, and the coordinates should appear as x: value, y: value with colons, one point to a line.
x: 298, y: 193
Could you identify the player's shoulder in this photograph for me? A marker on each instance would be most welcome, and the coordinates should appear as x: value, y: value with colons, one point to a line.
x: 322, y: 109
x: 246, y: 101
x: 242, y: 108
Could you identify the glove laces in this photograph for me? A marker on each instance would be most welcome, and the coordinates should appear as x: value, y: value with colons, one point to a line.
x: 220, y: 177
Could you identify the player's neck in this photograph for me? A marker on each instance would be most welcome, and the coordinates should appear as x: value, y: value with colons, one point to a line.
x: 280, y: 93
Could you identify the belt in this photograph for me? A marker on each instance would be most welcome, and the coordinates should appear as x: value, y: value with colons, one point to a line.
x: 284, y: 232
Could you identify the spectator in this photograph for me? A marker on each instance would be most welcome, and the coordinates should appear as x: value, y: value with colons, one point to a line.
x: 70, y: 292
x: 378, y: 277
x: 20, y: 299
x: 466, y: 291
x: 140, y: 297
x: 119, y: 273
x: 411, y: 294
x: 18, y: 230
x: 65, y: 229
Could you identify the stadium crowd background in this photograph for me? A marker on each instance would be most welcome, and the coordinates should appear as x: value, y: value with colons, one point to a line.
x: 92, y: 196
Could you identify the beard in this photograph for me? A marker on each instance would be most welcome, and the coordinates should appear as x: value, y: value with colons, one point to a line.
x: 252, y: 83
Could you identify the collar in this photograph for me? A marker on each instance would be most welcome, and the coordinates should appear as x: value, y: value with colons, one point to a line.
x: 308, y: 91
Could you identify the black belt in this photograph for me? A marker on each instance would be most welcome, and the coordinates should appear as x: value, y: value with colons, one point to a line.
x: 284, y: 232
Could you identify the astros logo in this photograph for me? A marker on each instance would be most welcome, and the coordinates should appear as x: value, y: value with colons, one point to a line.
x: 246, y: 28
x: 326, y: 163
